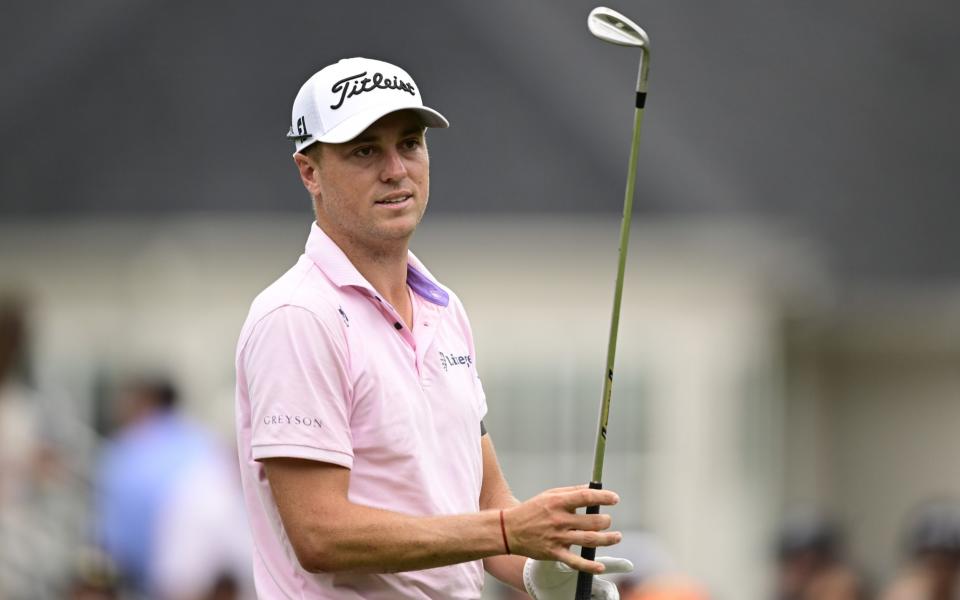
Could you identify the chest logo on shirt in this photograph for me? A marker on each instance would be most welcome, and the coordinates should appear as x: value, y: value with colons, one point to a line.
x: 346, y: 319
x: 447, y: 361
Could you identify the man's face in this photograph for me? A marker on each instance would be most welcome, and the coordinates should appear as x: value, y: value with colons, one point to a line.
x: 371, y: 192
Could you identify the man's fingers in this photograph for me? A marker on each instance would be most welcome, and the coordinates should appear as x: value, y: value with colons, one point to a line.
x: 591, y: 522
x: 539, y: 525
x: 578, y: 563
x: 587, y: 497
x: 595, y: 539
x: 567, y: 488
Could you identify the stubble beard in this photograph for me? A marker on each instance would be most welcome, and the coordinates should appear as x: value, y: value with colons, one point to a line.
x: 378, y: 240
x: 386, y: 241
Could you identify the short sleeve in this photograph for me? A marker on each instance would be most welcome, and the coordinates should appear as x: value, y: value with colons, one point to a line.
x: 297, y: 373
x: 467, y: 331
x: 481, y: 399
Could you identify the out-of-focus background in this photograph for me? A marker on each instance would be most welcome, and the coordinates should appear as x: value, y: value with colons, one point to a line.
x: 787, y: 399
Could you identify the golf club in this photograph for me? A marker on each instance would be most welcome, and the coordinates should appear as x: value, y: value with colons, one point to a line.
x: 611, y: 26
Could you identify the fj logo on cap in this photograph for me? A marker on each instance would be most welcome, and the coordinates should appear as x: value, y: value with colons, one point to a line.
x: 348, y: 87
x: 301, y: 133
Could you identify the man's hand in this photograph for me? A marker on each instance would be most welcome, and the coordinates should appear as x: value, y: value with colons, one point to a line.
x: 551, y: 580
x: 545, y: 526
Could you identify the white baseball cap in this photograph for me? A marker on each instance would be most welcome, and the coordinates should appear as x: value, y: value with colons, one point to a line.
x: 343, y: 99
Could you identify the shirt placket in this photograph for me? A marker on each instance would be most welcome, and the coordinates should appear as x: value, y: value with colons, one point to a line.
x: 395, y: 321
x: 426, y: 327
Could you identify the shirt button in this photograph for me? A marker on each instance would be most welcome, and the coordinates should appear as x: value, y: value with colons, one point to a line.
x: 397, y: 326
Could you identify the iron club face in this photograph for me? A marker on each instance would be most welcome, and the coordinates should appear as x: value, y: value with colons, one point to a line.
x: 610, y: 26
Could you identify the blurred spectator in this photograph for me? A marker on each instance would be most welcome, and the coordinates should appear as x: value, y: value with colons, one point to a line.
x: 811, y: 565
x: 650, y: 559
x: 19, y: 440
x: 933, y: 549
x: 665, y: 588
x: 85, y: 590
x: 168, y: 508
x: 203, y: 546
x: 25, y: 463
x: 94, y: 577
x: 224, y: 588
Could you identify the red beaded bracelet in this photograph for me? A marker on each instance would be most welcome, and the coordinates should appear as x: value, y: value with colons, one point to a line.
x: 503, y: 531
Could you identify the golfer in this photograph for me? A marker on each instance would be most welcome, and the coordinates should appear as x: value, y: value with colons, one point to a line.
x: 366, y: 468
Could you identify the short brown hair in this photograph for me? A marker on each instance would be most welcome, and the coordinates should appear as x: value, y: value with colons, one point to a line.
x: 313, y: 151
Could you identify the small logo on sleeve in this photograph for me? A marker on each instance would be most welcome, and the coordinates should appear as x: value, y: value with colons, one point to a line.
x: 448, y: 361
x: 295, y: 420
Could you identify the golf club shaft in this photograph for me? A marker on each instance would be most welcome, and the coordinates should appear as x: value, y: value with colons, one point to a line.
x: 585, y: 580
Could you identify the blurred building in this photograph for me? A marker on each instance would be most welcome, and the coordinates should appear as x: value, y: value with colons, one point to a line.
x: 743, y: 386
x: 874, y: 399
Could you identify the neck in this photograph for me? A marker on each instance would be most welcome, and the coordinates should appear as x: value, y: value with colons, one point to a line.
x: 384, y: 266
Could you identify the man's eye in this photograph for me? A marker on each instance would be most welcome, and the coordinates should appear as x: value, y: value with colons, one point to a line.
x: 411, y: 144
x: 363, y: 151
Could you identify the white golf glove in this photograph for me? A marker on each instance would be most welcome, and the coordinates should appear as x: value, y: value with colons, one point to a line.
x: 552, y: 580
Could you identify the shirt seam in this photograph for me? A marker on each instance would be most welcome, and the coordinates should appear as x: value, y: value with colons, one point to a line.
x: 318, y: 449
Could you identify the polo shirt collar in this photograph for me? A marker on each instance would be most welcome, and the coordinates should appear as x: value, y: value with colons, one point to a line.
x: 330, y: 259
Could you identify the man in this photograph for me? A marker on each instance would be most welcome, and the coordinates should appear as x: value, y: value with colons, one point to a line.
x: 811, y: 563
x: 166, y: 503
x: 27, y: 462
x: 932, y: 571
x: 366, y: 468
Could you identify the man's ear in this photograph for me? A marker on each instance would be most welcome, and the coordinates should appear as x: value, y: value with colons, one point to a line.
x: 309, y: 173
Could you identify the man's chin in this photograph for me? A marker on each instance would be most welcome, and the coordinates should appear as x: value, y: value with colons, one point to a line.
x: 400, y: 227
x: 397, y: 232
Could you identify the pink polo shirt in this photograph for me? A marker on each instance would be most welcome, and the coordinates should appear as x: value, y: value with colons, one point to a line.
x: 327, y: 371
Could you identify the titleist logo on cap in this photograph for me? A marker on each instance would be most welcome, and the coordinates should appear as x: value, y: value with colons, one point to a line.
x: 368, y: 84
x: 333, y: 106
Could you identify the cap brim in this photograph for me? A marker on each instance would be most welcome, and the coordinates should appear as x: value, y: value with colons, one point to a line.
x: 356, y: 124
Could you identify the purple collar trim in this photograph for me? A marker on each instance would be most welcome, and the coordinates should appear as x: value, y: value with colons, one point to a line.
x: 425, y: 288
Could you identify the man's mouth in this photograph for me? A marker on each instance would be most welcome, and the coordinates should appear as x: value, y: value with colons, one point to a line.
x: 394, y: 199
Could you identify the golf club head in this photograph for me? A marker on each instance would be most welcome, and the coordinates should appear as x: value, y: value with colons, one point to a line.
x: 610, y: 26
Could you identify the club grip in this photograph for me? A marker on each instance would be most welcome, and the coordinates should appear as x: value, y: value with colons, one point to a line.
x: 585, y: 580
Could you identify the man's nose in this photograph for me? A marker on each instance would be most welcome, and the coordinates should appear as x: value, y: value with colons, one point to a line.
x: 394, y: 168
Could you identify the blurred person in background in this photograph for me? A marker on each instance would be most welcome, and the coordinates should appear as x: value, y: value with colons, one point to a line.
x: 666, y: 588
x: 933, y: 551
x: 811, y: 564
x: 19, y: 437
x: 655, y: 575
x: 26, y: 463
x: 168, y: 503
x: 93, y: 578
x: 650, y: 559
